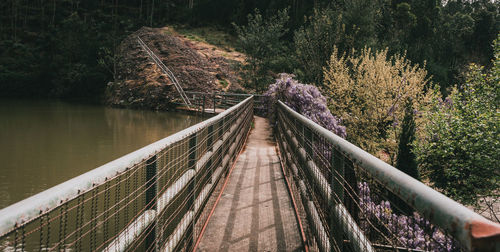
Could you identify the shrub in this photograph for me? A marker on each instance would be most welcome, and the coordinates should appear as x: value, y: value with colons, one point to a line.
x: 460, y: 149
x: 411, y: 231
x: 369, y: 91
x: 306, y: 100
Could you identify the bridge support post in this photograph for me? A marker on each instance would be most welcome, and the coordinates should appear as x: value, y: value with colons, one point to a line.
x: 151, y: 193
x: 337, y: 188
x: 203, y: 107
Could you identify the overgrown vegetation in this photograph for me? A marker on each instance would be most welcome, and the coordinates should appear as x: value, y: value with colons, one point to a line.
x: 315, y: 41
x: 443, y: 37
x: 369, y: 92
x: 54, y: 47
x: 460, y: 149
x: 210, y: 35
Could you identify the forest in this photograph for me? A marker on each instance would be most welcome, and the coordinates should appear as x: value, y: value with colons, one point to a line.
x: 65, y: 48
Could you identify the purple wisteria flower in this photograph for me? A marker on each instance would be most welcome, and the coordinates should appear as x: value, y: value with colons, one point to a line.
x: 306, y: 100
x: 412, y: 231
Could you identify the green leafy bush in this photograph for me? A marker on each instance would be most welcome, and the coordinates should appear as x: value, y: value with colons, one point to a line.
x: 261, y: 40
x: 314, y: 43
x: 460, y: 150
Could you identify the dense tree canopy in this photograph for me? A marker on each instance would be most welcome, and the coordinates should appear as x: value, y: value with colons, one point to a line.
x: 66, y: 47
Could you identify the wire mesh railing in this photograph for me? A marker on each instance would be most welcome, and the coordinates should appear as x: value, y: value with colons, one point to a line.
x: 208, y: 101
x: 352, y: 201
x: 152, y: 199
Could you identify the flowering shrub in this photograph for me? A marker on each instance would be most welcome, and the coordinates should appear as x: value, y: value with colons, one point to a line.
x: 409, y: 230
x: 306, y: 100
x: 369, y: 89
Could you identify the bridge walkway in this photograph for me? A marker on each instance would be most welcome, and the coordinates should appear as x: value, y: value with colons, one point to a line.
x: 255, y: 211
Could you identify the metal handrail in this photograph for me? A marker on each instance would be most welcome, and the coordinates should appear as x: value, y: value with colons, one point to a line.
x: 165, y: 70
x: 224, y: 99
x: 469, y: 228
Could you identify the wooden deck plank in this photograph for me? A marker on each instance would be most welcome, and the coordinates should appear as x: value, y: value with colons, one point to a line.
x: 255, y: 212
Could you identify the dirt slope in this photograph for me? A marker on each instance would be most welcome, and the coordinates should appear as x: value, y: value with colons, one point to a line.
x: 196, y: 65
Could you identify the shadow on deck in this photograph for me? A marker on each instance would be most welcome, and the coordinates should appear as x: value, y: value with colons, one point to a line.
x: 255, y: 211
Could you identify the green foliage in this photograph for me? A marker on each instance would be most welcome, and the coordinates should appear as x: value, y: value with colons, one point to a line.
x: 261, y: 40
x: 459, y: 152
x: 57, y: 36
x: 209, y: 35
x: 348, y: 27
x: 314, y: 43
x: 404, y: 17
x: 406, y: 160
x: 16, y: 67
x: 361, y: 18
x: 369, y: 92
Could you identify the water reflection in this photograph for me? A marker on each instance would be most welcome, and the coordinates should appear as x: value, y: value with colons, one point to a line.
x: 44, y: 143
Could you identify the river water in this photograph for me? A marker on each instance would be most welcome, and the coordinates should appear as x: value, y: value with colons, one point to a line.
x: 44, y: 143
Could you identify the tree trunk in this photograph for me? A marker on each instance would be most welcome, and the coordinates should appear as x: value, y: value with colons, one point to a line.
x: 115, y: 44
x: 42, y: 22
x: 14, y: 19
x: 152, y: 12
x: 140, y: 11
x: 53, y: 22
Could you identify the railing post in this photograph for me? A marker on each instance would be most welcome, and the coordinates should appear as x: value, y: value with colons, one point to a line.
x: 213, y: 97
x: 151, y: 194
x: 279, y: 132
x: 308, y: 141
x: 351, y: 181
x: 337, y: 188
x: 193, y: 158
x: 203, y: 107
x: 210, y: 147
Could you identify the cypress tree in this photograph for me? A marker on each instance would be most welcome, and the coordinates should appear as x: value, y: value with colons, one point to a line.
x: 406, y: 161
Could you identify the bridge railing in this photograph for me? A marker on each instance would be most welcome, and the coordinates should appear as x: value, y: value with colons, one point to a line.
x: 153, y: 198
x: 353, y: 201
x: 224, y: 100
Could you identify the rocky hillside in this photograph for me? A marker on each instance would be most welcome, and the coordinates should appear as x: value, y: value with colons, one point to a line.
x: 198, y: 66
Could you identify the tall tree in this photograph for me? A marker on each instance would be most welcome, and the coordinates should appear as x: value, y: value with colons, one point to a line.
x: 406, y: 160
